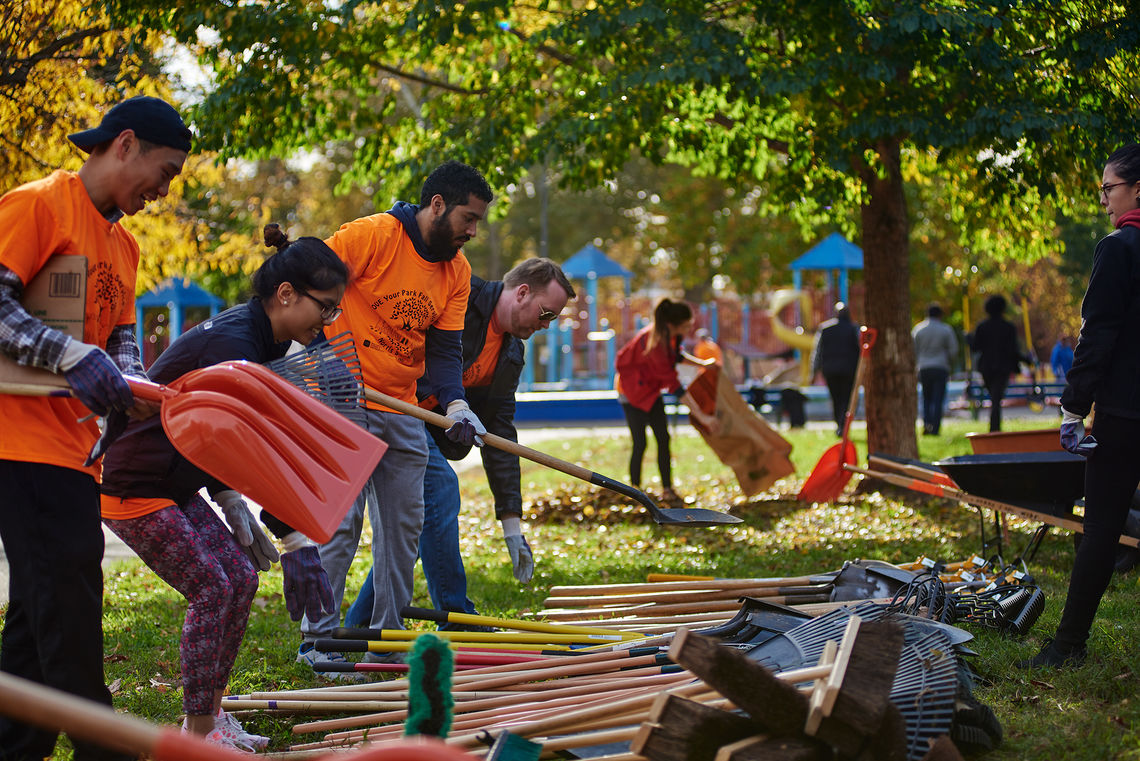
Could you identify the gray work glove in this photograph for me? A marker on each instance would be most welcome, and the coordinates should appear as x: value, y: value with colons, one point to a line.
x: 246, y: 530
x: 466, y: 428
x: 522, y: 559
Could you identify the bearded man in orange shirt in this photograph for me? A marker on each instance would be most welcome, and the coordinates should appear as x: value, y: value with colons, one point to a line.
x: 405, y: 305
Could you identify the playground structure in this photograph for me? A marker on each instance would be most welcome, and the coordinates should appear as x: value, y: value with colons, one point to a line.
x: 577, y: 353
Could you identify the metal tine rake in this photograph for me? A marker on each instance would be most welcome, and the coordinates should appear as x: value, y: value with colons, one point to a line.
x: 330, y: 373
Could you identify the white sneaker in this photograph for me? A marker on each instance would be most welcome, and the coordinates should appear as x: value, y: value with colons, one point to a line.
x: 224, y: 737
x: 308, y: 654
x: 225, y: 721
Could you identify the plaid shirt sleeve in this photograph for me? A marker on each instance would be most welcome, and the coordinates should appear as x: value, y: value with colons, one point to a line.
x: 124, y: 351
x: 22, y: 337
x: 30, y: 342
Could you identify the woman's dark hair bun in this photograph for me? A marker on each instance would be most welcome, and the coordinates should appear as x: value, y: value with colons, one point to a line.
x: 275, y: 237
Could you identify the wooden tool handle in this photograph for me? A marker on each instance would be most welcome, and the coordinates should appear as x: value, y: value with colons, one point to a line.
x: 498, y: 442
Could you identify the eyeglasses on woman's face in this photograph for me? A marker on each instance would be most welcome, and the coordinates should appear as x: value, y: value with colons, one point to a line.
x: 1107, y: 187
x: 329, y: 312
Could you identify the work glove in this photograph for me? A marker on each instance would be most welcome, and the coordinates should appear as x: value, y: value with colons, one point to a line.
x: 94, y: 379
x: 113, y: 426
x: 522, y: 559
x: 687, y: 373
x: 466, y: 428
x: 306, y: 586
x: 248, y: 534
x: 1073, y: 438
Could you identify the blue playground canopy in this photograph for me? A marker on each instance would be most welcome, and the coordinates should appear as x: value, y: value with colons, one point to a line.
x: 590, y: 263
x: 832, y: 253
x: 175, y: 294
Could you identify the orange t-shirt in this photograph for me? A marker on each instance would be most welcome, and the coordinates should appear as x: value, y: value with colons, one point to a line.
x: 393, y: 297
x: 706, y: 349
x: 124, y: 508
x: 482, y: 370
x: 37, y: 221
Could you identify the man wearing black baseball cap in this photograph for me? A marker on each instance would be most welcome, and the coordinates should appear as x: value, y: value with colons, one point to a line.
x: 49, y: 516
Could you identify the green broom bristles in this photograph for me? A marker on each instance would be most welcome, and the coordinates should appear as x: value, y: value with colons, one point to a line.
x: 429, y: 687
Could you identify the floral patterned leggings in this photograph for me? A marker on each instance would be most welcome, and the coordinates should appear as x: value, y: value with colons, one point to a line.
x: 191, y: 549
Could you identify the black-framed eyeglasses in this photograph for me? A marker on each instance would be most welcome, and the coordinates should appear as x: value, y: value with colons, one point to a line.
x: 329, y: 312
x: 545, y: 315
x: 1104, y: 189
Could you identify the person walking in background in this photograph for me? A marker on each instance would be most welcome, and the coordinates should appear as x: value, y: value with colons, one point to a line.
x: 49, y: 516
x: 1061, y: 359
x: 1105, y: 372
x: 934, y: 347
x: 835, y: 355
x: 647, y: 366
x: 994, y: 342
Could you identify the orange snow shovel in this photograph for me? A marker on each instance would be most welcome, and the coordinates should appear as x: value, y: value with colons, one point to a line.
x: 259, y: 435
x: 827, y: 481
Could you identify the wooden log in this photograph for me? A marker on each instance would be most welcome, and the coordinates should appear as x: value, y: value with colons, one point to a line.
x: 685, y: 730
x: 776, y: 706
x: 763, y: 748
x: 943, y: 749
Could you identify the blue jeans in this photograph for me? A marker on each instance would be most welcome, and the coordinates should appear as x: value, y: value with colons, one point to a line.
x: 933, y: 381
x: 439, y: 545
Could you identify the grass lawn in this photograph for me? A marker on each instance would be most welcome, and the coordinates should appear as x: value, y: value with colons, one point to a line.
x: 582, y: 536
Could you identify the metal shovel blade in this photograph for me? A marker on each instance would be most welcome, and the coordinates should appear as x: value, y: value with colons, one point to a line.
x: 258, y: 434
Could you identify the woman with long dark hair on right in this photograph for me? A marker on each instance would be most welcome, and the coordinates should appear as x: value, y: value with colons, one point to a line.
x: 1105, y: 371
x: 646, y: 367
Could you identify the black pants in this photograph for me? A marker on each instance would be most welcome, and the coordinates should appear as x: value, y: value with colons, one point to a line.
x: 1111, y: 475
x: 655, y: 419
x: 933, y: 381
x: 839, y: 385
x: 53, y: 631
x: 995, y: 387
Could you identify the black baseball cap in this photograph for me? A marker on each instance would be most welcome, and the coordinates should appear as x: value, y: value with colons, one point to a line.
x: 152, y: 119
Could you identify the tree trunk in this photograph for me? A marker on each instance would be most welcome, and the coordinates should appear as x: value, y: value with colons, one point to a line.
x: 891, y: 384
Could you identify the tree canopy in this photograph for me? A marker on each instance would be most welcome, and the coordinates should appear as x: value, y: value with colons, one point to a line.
x: 835, y: 106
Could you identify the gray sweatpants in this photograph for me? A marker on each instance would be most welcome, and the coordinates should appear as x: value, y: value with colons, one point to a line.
x: 394, y: 500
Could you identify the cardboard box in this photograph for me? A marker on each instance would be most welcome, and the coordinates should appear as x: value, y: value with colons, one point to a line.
x: 57, y: 295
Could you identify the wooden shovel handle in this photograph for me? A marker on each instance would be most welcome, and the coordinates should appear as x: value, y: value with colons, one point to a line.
x: 498, y: 442
x: 143, y: 389
x: 51, y: 709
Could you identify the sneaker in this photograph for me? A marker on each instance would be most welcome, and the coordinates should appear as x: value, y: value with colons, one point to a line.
x: 1054, y: 656
x: 223, y: 736
x: 309, y: 655
x: 226, y: 721
x: 383, y: 658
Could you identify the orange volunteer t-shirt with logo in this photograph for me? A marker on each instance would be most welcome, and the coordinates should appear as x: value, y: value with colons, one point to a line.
x: 48, y: 217
x: 393, y: 297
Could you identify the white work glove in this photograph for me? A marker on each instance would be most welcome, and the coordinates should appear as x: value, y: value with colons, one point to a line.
x: 1073, y: 438
x: 687, y: 373
x: 466, y: 428
x: 248, y: 534
x: 522, y: 559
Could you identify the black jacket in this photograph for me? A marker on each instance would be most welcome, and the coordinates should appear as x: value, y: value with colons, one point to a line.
x: 494, y: 404
x: 142, y: 462
x: 1106, y: 361
x: 836, y: 352
x: 995, y: 343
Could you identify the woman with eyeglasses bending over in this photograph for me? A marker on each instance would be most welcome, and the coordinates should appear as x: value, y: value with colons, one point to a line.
x: 151, y: 500
x: 1106, y: 371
